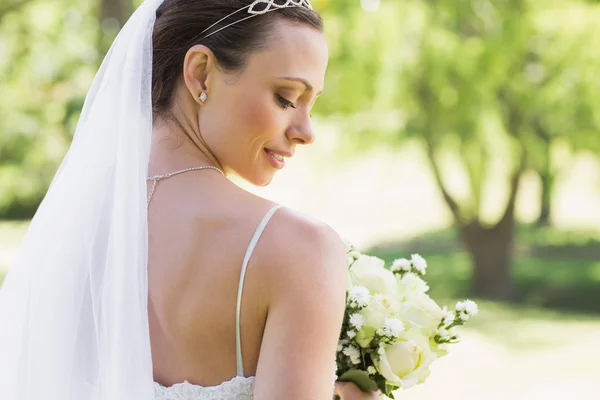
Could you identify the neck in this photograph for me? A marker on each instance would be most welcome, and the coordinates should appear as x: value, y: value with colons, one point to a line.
x: 173, y: 149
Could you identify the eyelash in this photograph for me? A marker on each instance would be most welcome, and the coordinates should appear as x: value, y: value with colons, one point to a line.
x: 285, y: 103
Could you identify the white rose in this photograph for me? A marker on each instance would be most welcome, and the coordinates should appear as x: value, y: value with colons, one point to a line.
x: 422, y: 311
x: 375, y: 314
x: 406, y: 363
x: 369, y: 272
x: 411, y: 285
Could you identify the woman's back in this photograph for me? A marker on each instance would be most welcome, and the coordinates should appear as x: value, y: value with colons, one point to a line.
x: 200, y: 227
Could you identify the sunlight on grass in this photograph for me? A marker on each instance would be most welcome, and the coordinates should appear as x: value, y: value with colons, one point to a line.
x: 523, y: 353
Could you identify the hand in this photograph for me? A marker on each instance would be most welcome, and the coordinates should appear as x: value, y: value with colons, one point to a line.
x: 349, y: 391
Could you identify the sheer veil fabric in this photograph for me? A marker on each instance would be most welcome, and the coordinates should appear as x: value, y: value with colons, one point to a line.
x: 73, y: 308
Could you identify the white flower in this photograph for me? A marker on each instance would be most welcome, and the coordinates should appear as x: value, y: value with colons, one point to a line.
x: 354, y: 353
x: 421, y: 311
x: 468, y: 307
x: 441, y: 349
x: 341, y: 344
x: 351, y: 334
x: 419, y: 263
x: 357, y: 320
x: 447, y: 316
x: 406, y: 363
x: 371, y: 273
x: 393, y: 327
x: 379, y: 297
x: 371, y: 370
x: 375, y: 314
x: 360, y: 295
x: 411, y: 285
x: 447, y: 313
x: 354, y: 254
x: 443, y: 333
x: 401, y: 264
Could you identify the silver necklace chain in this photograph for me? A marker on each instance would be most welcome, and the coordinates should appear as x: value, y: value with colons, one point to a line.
x: 157, y: 178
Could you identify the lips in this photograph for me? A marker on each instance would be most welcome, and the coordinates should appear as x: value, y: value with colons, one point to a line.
x: 277, y: 158
x: 281, y: 153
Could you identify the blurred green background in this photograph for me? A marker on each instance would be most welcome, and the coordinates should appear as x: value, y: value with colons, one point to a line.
x: 465, y: 130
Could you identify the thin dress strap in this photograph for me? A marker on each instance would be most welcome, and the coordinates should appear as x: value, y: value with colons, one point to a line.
x: 253, y: 242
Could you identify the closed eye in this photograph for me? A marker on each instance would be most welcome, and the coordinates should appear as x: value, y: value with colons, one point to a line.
x: 285, y: 103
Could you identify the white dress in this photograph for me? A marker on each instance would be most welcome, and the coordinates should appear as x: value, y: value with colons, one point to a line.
x: 240, y: 387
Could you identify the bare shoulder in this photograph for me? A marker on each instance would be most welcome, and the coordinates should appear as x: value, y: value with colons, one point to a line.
x: 305, y: 285
x: 298, y: 248
x: 297, y: 234
x: 293, y: 243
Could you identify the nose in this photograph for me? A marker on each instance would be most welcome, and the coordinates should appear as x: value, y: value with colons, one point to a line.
x: 302, y: 132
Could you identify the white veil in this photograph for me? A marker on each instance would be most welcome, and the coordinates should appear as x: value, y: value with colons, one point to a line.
x: 73, y: 307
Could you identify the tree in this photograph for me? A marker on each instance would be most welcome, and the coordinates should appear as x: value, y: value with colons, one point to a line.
x: 565, y: 70
x: 48, y: 62
x: 481, y: 87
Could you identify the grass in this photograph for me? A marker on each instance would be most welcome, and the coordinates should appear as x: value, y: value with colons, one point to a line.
x: 552, y: 269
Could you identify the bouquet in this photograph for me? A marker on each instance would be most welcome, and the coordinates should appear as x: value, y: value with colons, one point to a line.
x: 392, y: 330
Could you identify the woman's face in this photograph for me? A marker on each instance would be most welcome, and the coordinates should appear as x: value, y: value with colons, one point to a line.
x: 253, y: 118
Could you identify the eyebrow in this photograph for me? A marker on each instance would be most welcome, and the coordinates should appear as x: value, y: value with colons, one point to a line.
x: 308, y: 86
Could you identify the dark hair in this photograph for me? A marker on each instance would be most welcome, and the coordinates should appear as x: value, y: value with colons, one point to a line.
x: 178, y: 27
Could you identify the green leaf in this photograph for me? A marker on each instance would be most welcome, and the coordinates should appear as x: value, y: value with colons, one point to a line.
x: 360, y: 379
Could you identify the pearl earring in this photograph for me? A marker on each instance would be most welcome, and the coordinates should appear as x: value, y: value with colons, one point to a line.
x: 203, y: 96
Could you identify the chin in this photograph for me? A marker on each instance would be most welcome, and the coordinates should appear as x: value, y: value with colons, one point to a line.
x: 261, y: 179
x: 264, y: 180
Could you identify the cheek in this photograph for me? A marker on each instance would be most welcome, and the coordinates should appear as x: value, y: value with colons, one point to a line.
x: 239, y: 125
x: 259, y: 118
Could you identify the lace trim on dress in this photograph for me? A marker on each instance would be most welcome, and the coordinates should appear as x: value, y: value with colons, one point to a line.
x: 238, y: 388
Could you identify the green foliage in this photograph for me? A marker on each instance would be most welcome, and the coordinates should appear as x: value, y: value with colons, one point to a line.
x: 48, y: 58
x: 553, y: 269
x: 360, y: 379
x: 494, y: 82
x: 487, y: 80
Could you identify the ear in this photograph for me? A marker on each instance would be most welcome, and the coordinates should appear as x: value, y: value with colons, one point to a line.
x: 198, y: 68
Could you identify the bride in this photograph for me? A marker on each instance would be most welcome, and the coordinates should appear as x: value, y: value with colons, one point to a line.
x: 146, y: 273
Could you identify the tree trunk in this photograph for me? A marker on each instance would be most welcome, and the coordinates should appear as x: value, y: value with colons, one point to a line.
x: 491, y: 251
x: 547, y: 180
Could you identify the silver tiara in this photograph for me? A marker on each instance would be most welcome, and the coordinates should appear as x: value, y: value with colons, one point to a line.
x: 259, y: 7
